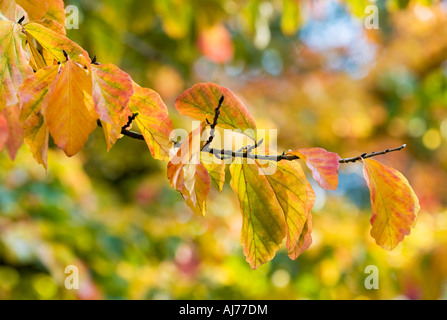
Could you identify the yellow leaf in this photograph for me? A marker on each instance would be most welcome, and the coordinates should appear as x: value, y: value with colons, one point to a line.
x: 14, y: 63
x: 394, y: 204
x: 69, y: 111
x: 32, y: 96
x: 153, y: 121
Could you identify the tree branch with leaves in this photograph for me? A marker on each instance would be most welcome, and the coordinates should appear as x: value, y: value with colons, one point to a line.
x: 53, y: 87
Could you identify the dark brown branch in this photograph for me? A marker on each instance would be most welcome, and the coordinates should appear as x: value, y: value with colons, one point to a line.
x: 214, y: 124
x: 124, y: 131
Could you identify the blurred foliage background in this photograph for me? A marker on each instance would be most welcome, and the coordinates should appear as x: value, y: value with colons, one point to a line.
x: 307, y: 68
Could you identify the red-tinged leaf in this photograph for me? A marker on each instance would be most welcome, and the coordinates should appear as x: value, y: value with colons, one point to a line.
x: 196, y: 192
x: 69, y: 110
x: 216, y: 170
x: 215, y: 44
x: 32, y: 97
x: 15, y: 135
x: 304, y: 241
x: 394, y: 204
x: 296, y: 198
x: 14, y: 63
x: 188, y: 175
x: 3, y: 131
x: 112, y: 90
x: 55, y: 43
x: 40, y: 9
x: 153, y: 121
x: 186, y: 159
x: 323, y: 164
x: 200, y: 102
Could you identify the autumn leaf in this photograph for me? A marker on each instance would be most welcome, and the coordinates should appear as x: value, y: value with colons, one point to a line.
x: 15, y: 132
x: 273, y: 206
x: 200, y: 102
x: 394, y: 204
x: 32, y: 96
x: 14, y: 63
x: 304, y: 241
x: 40, y: 9
x: 69, y: 110
x: 188, y: 175
x: 112, y: 90
x: 3, y: 131
x: 8, y: 9
x: 153, y: 121
x: 55, y: 44
x: 215, y: 168
x: 296, y: 198
x: 323, y: 164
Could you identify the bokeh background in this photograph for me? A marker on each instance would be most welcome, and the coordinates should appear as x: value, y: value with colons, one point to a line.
x: 307, y: 68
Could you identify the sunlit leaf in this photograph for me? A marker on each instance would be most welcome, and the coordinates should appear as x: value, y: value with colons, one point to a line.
x: 323, y: 164
x: 153, y: 121
x: 112, y: 89
x: 14, y: 63
x: 69, y: 112
x: 200, y: 102
x: 394, y: 204
x: 32, y: 97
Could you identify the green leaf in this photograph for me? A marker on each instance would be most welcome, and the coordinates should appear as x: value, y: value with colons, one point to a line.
x: 274, y: 206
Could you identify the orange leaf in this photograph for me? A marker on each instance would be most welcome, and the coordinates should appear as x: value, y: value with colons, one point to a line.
x: 39, y: 9
x: 153, y: 121
x: 69, y: 110
x: 32, y: 97
x: 200, y: 102
x: 394, y: 204
x: 323, y: 164
x: 14, y: 63
x: 188, y: 175
x: 112, y: 89
x: 15, y: 135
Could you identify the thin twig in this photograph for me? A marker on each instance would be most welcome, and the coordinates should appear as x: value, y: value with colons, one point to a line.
x: 128, y: 133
